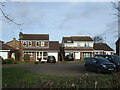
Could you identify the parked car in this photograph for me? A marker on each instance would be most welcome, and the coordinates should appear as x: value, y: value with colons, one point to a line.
x: 100, y: 65
x: 69, y: 58
x: 51, y: 59
x: 112, y: 58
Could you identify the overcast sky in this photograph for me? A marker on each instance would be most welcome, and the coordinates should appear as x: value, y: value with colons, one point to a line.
x: 61, y: 19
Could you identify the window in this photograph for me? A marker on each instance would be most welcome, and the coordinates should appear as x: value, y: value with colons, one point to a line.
x: 86, y: 44
x: 24, y: 43
x: 37, y: 43
x: 42, y: 44
x: 29, y: 43
x: 78, y: 44
x: 86, y: 54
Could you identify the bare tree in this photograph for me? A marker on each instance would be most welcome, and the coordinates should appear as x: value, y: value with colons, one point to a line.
x: 2, y: 4
x: 116, y: 5
x: 98, y: 39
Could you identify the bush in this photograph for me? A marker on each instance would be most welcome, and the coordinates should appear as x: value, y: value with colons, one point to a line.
x: 9, y: 61
x: 15, y: 62
x: 3, y: 62
x: 36, y: 62
x: 27, y: 57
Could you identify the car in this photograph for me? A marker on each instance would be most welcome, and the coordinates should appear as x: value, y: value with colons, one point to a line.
x: 69, y: 58
x: 100, y: 65
x: 51, y: 59
x: 112, y: 58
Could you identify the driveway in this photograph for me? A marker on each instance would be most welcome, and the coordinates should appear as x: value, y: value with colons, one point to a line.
x: 59, y: 69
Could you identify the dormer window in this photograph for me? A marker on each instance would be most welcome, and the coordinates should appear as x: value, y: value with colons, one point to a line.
x: 37, y: 43
x: 24, y: 43
x: 29, y: 43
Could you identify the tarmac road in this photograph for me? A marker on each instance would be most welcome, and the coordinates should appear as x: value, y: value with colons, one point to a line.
x: 59, y: 68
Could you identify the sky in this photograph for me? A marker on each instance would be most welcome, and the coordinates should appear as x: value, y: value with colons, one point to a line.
x: 60, y: 19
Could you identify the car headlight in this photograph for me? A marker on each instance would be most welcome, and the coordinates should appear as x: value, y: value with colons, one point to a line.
x: 114, y: 65
x: 104, y: 66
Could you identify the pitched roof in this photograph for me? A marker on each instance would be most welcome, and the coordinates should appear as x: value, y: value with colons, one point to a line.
x: 77, y: 38
x: 102, y: 46
x: 54, y: 45
x: 33, y: 36
x: 6, y: 47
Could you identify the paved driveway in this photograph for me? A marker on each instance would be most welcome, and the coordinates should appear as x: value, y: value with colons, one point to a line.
x: 59, y: 69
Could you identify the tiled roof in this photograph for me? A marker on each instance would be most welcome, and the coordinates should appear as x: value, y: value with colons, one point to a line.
x: 102, y: 46
x: 6, y: 47
x: 77, y: 38
x: 54, y: 45
x: 33, y: 36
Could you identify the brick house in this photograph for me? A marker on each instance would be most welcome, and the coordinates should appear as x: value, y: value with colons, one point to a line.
x: 83, y: 46
x: 79, y: 46
x: 15, y: 44
x: 38, y: 46
x: 7, y: 51
x: 118, y: 47
x: 103, y: 48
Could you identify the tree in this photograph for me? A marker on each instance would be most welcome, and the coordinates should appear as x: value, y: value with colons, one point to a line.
x: 116, y: 5
x: 2, y: 4
x: 98, y: 39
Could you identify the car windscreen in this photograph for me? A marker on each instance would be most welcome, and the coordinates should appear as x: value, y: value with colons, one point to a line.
x: 102, y: 60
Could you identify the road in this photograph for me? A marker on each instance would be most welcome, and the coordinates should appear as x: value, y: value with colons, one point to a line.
x: 59, y: 69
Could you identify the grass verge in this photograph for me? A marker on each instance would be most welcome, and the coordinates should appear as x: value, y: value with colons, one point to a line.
x: 22, y: 78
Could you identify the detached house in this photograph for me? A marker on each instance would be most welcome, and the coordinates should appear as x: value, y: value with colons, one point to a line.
x: 38, y: 46
x: 79, y: 46
x: 83, y: 46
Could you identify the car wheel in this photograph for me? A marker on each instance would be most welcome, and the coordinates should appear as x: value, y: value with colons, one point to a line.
x: 99, y: 70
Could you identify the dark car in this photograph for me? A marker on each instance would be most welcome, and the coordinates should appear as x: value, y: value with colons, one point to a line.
x: 100, y: 65
x: 112, y: 58
x: 69, y: 58
x: 51, y: 59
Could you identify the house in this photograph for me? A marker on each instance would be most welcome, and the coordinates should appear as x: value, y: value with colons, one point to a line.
x: 14, y: 44
x: 78, y: 46
x: 38, y: 46
x: 83, y: 46
x: 118, y: 47
x: 7, y: 51
x: 102, y: 48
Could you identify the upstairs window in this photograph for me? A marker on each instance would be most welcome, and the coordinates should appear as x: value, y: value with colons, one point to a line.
x: 37, y: 43
x: 29, y: 43
x: 42, y: 44
x: 86, y: 44
x: 24, y: 43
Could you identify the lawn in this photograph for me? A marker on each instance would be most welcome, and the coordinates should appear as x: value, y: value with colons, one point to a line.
x: 22, y: 78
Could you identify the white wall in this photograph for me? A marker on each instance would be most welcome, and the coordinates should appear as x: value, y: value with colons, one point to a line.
x: 79, y: 44
x: 4, y: 55
x: 55, y: 54
x: 77, y: 55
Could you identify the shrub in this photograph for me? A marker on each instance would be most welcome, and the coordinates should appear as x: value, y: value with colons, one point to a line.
x: 36, y: 62
x: 15, y: 62
x: 27, y: 57
x: 3, y: 62
x: 9, y: 61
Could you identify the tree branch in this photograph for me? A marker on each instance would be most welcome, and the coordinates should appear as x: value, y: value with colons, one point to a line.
x: 5, y: 16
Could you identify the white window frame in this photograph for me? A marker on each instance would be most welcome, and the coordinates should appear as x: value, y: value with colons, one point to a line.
x: 42, y: 43
x: 24, y: 42
x: 28, y: 43
x: 38, y: 43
